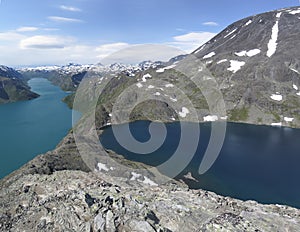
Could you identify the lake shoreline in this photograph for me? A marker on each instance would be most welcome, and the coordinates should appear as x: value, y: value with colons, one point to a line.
x: 259, y: 150
x: 33, y: 126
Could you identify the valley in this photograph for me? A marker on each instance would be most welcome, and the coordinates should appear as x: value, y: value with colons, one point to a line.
x: 202, y: 142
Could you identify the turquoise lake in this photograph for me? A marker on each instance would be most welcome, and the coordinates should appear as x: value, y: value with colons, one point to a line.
x: 30, y: 128
x: 259, y: 163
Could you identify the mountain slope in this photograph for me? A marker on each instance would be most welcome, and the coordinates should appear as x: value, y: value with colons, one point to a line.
x: 12, y: 87
x: 256, y: 62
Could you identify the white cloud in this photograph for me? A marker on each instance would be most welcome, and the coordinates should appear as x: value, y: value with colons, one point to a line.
x: 10, y: 36
x: 64, y: 19
x: 44, y: 42
x: 210, y: 24
x: 69, y: 8
x: 27, y: 29
x: 191, y: 41
x: 199, y: 37
x: 141, y: 52
x: 19, y: 49
x: 51, y: 29
x: 107, y: 49
x: 15, y: 56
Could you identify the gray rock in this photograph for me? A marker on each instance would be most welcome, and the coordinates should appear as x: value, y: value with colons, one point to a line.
x: 99, y: 223
x: 62, y: 206
x: 138, y: 226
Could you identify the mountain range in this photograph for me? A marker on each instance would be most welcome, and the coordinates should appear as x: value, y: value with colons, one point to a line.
x: 254, y: 61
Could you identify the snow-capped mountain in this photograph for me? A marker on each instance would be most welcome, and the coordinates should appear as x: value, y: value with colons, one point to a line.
x: 256, y: 62
x: 9, y: 72
x: 72, y: 68
x: 69, y: 76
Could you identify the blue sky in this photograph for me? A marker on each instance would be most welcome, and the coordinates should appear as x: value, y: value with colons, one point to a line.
x: 44, y: 32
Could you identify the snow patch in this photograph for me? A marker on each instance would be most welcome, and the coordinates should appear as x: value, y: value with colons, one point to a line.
x: 230, y: 33
x: 102, y: 167
x: 276, y: 124
x: 200, y: 48
x: 242, y: 53
x: 210, y: 118
x: 232, y: 37
x: 173, y: 99
x: 296, y: 71
x: 209, y: 55
x: 224, y: 118
x: 295, y: 87
x: 208, y: 62
x: 287, y: 119
x: 135, y: 176
x: 139, y: 85
x: 157, y: 94
x: 161, y: 70
x: 293, y: 12
x: 249, y: 53
x: 221, y: 61
x: 276, y: 97
x: 248, y: 23
x: 144, y: 79
x: 272, y: 45
x: 149, y: 182
x: 235, y: 65
x: 151, y: 87
x: 278, y: 15
x: 184, y: 112
x: 253, y: 52
x: 169, y: 85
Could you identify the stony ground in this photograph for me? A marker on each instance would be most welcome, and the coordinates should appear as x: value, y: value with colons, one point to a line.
x: 80, y: 201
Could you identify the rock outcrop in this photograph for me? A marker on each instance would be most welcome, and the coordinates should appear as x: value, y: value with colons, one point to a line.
x: 80, y: 201
x: 12, y: 86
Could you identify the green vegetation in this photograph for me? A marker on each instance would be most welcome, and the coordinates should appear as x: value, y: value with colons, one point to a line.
x: 276, y: 116
x: 239, y: 114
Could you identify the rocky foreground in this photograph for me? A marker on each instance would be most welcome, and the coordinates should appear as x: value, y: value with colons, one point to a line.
x: 79, y: 201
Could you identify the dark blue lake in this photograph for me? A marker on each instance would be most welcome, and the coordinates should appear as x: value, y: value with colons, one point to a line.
x: 256, y: 162
x: 29, y: 128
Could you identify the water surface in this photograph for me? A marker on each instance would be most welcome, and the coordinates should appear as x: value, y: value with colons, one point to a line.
x: 256, y: 162
x: 29, y: 128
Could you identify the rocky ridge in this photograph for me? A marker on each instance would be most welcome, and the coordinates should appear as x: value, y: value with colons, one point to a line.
x: 13, y: 87
x: 79, y: 201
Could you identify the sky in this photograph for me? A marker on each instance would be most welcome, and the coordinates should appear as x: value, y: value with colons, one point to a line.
x: 58, y: 32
